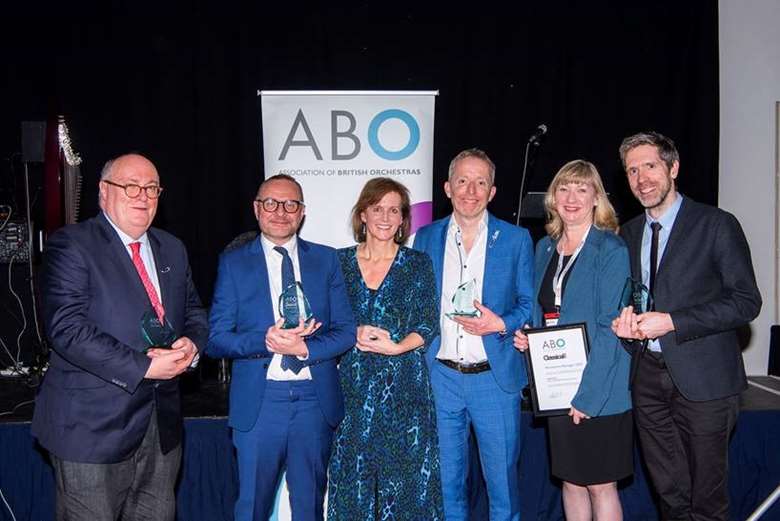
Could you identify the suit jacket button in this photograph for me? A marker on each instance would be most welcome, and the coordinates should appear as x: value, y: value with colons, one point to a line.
x: 265, y: 365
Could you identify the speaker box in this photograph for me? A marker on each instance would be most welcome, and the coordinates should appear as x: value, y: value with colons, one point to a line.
x: 774, y: 351
x: 33, y: 141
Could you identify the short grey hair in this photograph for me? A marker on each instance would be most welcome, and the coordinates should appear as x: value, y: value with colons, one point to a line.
x: 107, y: 169
x: 478, y: 154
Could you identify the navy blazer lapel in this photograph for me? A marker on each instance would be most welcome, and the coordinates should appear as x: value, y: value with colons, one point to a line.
x: 122, y: 260
x: 680, y: 228
x: 162, y: 268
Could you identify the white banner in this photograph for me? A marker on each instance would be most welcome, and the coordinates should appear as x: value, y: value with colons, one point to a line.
x: 333, y: 142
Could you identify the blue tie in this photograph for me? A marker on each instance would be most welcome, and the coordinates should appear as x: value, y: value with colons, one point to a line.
x: 289, y: 362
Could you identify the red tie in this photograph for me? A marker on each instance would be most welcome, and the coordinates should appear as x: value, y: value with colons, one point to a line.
x: 147, y: 282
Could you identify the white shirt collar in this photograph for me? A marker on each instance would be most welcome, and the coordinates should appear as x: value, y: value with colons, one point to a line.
x: 454, y: 226
x: 291, y: 246
x: 126, y: 239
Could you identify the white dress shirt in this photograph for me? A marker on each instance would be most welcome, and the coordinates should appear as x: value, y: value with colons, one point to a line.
x: 145, y: 252
x: 273, y: 262
x: 459, y: 267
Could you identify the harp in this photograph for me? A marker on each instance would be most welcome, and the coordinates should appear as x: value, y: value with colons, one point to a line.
x: 71, y: 174
x: 62, y: 177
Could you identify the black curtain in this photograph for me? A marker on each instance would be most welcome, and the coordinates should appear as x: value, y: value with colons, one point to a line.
x: 178, y: 82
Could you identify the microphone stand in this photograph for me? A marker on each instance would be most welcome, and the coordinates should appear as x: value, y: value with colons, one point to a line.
x: 42, y: 351
x: 535, y: 142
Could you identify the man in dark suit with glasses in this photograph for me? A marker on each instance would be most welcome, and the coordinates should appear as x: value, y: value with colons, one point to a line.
x: 108, y: 410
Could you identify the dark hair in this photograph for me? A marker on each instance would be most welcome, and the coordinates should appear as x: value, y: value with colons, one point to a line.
x: 280, y: 177
x: 666, y: 149
x: 372, y: 193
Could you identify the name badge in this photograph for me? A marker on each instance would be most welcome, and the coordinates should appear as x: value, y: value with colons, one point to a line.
x: 551, y: 319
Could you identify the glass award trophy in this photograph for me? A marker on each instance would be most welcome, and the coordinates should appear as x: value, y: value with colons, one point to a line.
x: 463, y: 300
x: 635, y: 294
x: 158, y: 335
x: 294, y: 306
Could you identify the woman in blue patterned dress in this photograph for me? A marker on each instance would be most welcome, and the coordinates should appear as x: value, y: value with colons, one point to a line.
x: 385, y: 460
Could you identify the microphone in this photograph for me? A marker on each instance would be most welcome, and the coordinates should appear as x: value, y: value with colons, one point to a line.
x: 540, y: 131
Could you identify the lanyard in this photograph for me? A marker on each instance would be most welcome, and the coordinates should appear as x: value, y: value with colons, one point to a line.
x: 560, y: 272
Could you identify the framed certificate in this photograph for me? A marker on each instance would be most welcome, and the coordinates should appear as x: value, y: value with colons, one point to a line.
x: 555, y: 359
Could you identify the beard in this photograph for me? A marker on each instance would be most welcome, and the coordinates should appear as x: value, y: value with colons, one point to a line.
x: 656, y: 199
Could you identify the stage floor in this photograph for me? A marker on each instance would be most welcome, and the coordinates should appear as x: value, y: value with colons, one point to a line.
x: 200, y: 399
x: 208, y: 398
x: 208, y: 481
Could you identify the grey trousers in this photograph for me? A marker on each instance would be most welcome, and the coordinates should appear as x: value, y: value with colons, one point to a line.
x: 139, y: 488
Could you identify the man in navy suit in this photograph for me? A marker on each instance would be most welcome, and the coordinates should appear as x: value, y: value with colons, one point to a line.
x: 696, y: 262
x: 285, y: 399
x: 107, y: 412
x: 476, y: 374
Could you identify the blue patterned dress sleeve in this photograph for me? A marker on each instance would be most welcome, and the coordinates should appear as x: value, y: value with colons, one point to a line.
x: 422, y: 302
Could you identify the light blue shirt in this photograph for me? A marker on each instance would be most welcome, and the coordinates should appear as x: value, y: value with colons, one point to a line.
x: 667, y: 223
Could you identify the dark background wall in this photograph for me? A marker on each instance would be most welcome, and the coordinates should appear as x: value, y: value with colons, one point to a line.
x: 178, y: 82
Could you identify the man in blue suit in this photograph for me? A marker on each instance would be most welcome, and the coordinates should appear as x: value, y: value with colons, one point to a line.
x: 285, y: 399
x: 476, y: 374
x: 107, y: 412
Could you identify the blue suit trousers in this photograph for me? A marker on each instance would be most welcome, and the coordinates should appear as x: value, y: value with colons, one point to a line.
x: 463, y: 401
x: 292, y: 435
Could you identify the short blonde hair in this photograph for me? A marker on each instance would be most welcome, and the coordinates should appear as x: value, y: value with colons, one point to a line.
x: 579, y: 171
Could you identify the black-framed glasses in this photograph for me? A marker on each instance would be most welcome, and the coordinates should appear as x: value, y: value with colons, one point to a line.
x: 133, y: 190
x: 270, y: 205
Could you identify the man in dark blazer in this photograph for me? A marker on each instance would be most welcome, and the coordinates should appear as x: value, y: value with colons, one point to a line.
x: 476, y: 374
x: 688, y: 379
x: 285, y: 398
x: 107, y: 411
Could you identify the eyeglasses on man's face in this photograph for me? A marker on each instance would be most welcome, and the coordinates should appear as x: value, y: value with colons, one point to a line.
x: 270, y: 204
x: 133, y: 190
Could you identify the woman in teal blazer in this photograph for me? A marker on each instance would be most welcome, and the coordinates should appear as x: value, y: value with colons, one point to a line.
x: 579, y: 272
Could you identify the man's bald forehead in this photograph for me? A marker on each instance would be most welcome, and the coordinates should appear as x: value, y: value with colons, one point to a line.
x: 281, y: 178
x: 128, y: 161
